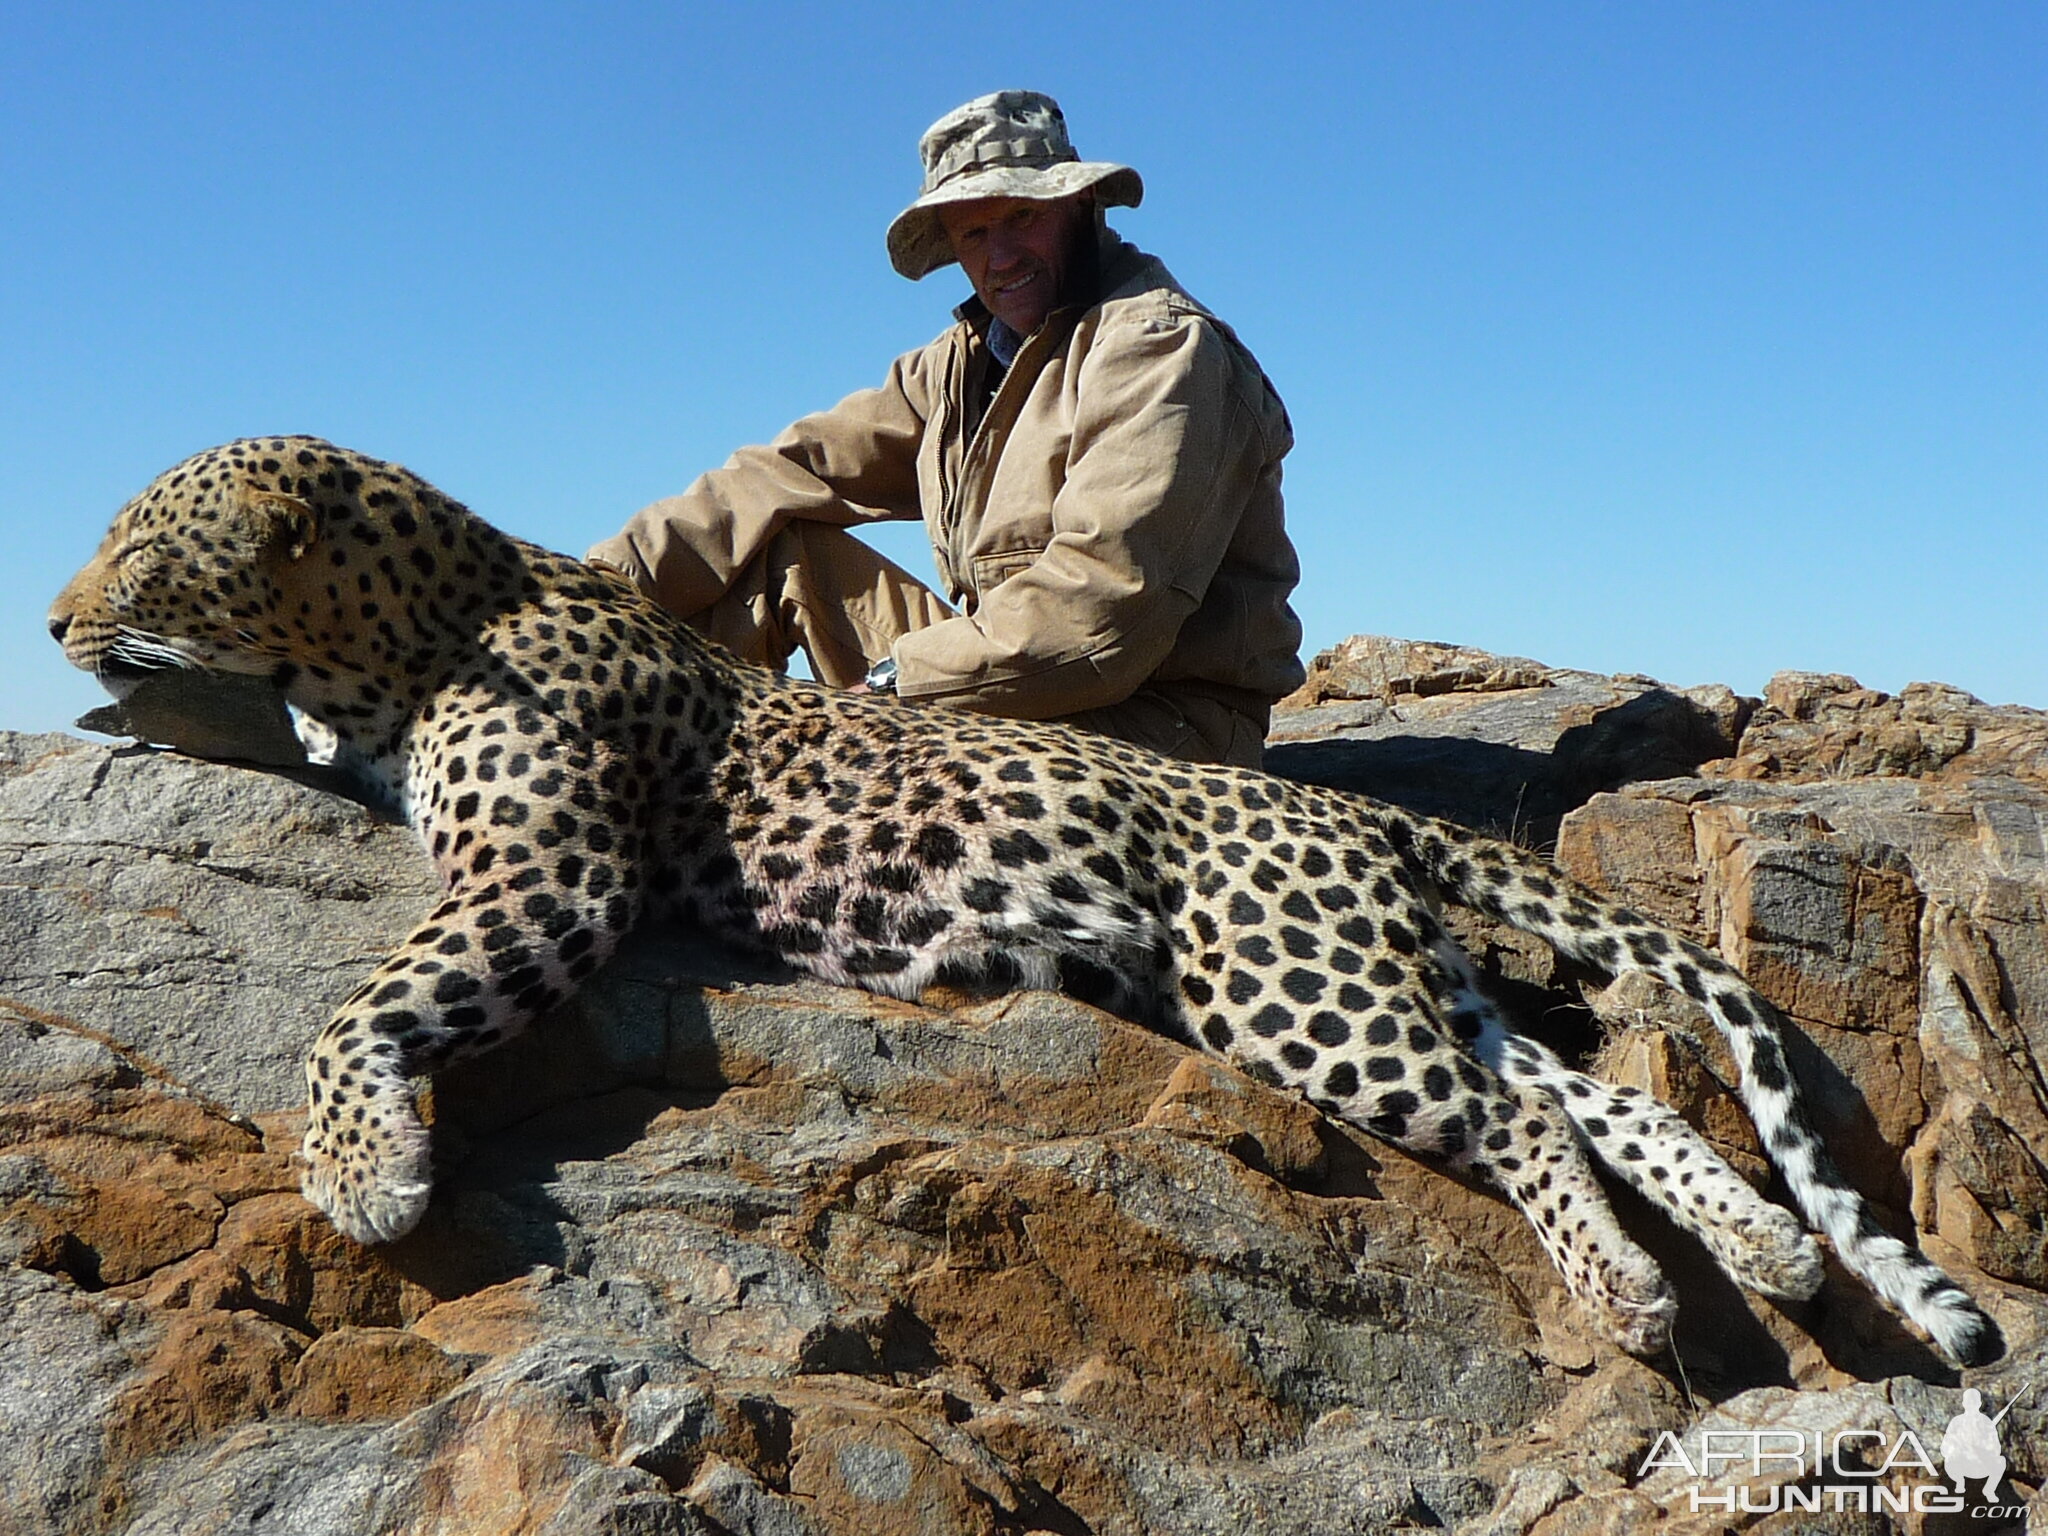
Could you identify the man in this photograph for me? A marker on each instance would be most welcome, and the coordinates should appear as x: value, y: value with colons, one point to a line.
x: 1095, y: 456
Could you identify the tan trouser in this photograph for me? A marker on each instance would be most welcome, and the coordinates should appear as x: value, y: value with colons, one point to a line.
x: 819, y: 589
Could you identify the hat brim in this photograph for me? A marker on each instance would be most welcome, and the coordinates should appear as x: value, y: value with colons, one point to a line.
x: 917, y: 237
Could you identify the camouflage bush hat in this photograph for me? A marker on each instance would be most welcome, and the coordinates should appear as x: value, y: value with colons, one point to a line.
x: 1010, y: 144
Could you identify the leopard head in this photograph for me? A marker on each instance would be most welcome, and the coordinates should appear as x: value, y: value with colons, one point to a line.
x: 284, y: 557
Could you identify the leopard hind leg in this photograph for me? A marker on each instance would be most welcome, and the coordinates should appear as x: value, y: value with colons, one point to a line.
x: 1533, y: 1156
x: 1406, y: 1084
x: 1514, y: 886
x: 1757, y: 1242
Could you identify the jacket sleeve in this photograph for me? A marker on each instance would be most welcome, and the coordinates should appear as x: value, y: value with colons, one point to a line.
x: 1164, y: 455
x: 855, y: 463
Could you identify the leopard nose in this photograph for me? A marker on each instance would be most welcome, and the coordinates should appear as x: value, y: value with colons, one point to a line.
x: 60, y: 626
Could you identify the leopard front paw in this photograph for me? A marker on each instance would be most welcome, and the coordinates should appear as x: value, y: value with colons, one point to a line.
x: 371, y: 1177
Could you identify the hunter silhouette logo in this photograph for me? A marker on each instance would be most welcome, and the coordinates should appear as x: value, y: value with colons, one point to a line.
x: 1969, y: 1446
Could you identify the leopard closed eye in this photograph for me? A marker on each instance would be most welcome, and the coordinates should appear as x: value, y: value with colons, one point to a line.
x: 576, y: 762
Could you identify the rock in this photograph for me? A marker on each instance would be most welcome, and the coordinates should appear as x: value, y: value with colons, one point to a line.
x: 206, y: 714
x: 723, y: 1251
x: 1816, y: 726
x: 189, y: 916
x: 1500, y: 743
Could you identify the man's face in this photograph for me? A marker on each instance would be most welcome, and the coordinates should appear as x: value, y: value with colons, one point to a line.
x: 1016, y: 251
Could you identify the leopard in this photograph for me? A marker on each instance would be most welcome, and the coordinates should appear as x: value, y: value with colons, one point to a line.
x: 578, y: 763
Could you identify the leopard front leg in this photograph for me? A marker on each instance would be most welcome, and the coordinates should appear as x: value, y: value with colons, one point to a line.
x: 486, y: 962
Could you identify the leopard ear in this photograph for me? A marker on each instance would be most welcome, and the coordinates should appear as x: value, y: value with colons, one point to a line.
x: 284, y: 521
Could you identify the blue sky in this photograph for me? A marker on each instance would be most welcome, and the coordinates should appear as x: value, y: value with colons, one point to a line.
x: 1694, y: 340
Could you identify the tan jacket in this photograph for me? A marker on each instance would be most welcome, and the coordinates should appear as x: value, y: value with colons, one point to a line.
x: 1112, y: 521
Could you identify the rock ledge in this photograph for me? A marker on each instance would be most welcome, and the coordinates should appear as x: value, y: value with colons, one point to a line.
x: 721, y: 1251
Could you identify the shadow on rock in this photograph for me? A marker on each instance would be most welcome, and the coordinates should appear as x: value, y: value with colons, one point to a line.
x: 1500, y: 788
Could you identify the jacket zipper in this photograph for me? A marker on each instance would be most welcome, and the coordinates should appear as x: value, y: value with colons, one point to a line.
x: 1030, y: 363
